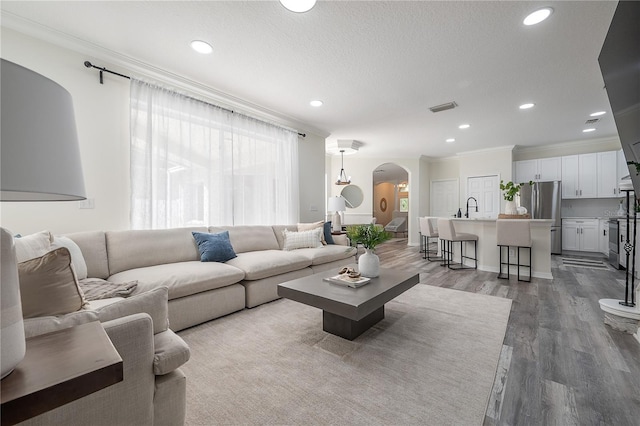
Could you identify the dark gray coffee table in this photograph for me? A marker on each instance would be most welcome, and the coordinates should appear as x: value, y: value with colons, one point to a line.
x: 348, y: 312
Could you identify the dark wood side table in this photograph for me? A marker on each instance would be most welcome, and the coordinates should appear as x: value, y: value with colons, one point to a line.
x: 58, y: 368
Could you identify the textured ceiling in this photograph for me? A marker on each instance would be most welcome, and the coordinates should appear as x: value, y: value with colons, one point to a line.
x: 377, y: 65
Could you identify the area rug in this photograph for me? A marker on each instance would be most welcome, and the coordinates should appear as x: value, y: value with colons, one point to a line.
x: 585, y: 263
x: 432, y: 360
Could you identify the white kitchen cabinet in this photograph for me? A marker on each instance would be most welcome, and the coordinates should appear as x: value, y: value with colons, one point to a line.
x: 580, y: 176
x: 580, y: 235
x: 543, y: 169
x: 603, y: 236
x: 607, y: 175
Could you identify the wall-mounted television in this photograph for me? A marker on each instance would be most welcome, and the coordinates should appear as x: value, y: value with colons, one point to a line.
x: 620, y: 66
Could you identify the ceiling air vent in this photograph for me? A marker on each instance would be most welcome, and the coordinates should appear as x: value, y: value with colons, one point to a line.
x: 443, y: 107
x: 592, y: 121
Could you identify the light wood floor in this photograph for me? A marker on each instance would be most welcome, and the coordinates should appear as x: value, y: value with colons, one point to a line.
x: 560, y: 364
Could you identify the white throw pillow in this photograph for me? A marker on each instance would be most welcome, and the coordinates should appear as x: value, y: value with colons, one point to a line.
x: 32, y: 246
x: 77, y: 259
x: 304, y: 239
x: 314, y: 225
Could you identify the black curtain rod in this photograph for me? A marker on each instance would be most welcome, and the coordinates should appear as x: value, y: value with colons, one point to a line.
x: 102, y: 69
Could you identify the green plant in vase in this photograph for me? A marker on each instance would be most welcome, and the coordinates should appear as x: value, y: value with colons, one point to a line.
x: 509, y: 192
x: 370, y: 236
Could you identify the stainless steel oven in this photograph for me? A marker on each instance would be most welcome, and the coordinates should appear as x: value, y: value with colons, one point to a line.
x: 614, y: 245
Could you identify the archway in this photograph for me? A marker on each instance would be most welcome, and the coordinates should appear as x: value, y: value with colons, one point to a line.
x: 390, y: 192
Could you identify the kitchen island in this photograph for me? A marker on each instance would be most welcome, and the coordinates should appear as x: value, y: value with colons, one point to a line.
x: 488, y: 254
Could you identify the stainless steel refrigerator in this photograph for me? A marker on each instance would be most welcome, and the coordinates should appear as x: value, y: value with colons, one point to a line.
x: 542, y: 200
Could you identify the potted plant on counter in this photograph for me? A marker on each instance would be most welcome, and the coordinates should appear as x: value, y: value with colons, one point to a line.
x: 369, y: 236
x: 510, y: 190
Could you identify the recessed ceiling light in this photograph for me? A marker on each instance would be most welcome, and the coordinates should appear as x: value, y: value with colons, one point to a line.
x: 450, y: 140
x: 538, y: 16
x: 463, y: 126
x: 316, y: 103
x: 201, y: 47
x: 589, y: 130
x: 598, y: 114
x: 299, y: 6
x: 526, y: 106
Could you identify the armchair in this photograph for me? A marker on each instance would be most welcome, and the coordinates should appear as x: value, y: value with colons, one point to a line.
x: 153, y: 391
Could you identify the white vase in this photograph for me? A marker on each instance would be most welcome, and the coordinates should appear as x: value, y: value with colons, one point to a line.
x: 369, y: 264
x: 511, y: 207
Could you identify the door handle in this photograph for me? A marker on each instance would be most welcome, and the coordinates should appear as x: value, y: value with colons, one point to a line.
x: 576, y: 192
x: 581, y: 192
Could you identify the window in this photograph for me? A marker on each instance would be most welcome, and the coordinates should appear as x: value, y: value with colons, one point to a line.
x: 195, y: 164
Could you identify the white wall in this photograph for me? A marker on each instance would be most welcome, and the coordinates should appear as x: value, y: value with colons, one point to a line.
x: 496, y: 161
x: 102, y: 118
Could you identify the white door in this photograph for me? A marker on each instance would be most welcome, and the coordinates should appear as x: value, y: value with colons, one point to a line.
x: 486, y: 190
x: 444, y: 197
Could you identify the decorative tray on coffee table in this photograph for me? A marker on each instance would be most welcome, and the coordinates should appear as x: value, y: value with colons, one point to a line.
x: 346, y: 280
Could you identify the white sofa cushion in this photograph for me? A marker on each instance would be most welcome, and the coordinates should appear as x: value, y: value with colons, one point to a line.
x: 42, y: 325
x: 249, y: 238
x: 93, y: 245
x: 182, y: 278
x: 328, y: 253
x: 267, y: 263
x: 153, y: 302
x: 141, y: 248
x: 170, y: 352
x: 77, y: 259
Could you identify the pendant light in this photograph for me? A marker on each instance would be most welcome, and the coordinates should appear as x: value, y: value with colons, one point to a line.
x: 342, y: 177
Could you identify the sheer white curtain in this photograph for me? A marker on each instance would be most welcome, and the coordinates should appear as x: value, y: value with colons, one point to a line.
x: 196, y: 164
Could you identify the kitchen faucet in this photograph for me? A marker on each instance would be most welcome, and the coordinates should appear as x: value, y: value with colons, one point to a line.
x: 467, y: 213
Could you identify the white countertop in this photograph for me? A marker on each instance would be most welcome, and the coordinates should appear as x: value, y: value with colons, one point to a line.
x: 488, y: 219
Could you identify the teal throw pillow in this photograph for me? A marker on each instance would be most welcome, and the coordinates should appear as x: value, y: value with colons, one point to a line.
x: 327, y: 233
x: 214, y: 247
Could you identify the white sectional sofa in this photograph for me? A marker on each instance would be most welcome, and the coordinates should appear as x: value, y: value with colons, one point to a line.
x: 172, y: 283
x: 202, y: 291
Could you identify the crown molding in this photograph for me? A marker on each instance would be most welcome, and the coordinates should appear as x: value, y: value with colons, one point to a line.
x: 128, y: 65
x: 568, y: 145
x: 486, y: 150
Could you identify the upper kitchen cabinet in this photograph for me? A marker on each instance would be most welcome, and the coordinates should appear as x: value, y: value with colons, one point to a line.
x: 607, y: 175
x: 543, y: 169
x: 580, y: 176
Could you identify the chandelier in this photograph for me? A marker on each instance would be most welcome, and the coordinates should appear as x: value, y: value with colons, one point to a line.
x: 342, y: 177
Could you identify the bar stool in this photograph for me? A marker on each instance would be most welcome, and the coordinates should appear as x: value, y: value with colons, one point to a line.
x: 513, y: 233
x: 448, y: 234
x: 428, y: 231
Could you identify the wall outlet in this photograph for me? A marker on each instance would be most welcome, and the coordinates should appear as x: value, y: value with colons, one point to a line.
x: 89, y: 203
x: 313, y: 208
